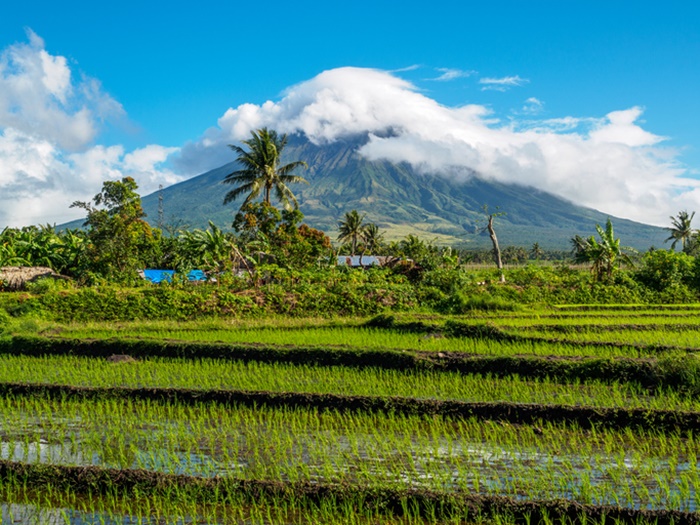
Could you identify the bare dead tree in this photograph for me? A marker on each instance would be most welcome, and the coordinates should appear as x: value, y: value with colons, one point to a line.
x: 494, y: 240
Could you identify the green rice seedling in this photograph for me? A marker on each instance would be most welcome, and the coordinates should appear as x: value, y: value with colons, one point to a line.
x: 673, y: 337
x: 353, y: 337
x: 372, y: 450
x: 212, y: 374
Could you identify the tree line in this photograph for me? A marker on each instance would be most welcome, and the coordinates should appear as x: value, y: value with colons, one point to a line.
x: 116, y: 241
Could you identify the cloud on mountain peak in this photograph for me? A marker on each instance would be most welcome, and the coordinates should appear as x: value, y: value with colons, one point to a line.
x: 50, y: 118
x: 609, y: 163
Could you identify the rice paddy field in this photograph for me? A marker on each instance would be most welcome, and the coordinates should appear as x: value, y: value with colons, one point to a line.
x: 565, y: 415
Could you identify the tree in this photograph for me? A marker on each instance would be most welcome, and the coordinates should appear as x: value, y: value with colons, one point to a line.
x: 261, y: 170
x: 372, y: 238
x: 267, y: 233
x: 211, y: 249
x: 118, y: 237
x: 350, y: 229
x: 681, y: 230
x: 494, y: 240
x: 514, y: 254
x: 604, y: 255
x: 536, y: 252
x: 664, y: 270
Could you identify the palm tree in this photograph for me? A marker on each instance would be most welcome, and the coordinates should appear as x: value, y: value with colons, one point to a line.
x: 372, y: 237
x: 212, y: 248
x: 261, y: 171
x: 536, y: 252
x: 350, y: 229
x: 681, y: 230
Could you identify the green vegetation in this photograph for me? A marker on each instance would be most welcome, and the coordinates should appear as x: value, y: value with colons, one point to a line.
x: 385, y: 452
x: 286, y: 389
x: 372, y: 450
x: 402, y: 201
x: 213, y: 374
x: 260, y: 170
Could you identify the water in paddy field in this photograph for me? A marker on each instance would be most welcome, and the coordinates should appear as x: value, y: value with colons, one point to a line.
x: 477, y: 467
x: 443, y: 462
x: 27, y: 514
x: 22, y: 514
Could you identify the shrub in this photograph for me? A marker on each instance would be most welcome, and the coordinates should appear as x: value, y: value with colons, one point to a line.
x: 663, y: 270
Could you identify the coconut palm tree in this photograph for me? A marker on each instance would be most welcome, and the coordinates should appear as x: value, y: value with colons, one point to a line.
x: 536, y: 252
x: 260, y: 170
x: 681, y: 230
x: 372, y: 239
x: 350, y: 229
x: 371, y: 236
x: 212, y: 249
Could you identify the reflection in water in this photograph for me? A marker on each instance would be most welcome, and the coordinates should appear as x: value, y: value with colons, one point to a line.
x: 24, y: 514
x: 492, y: 469
x: 42, y: 452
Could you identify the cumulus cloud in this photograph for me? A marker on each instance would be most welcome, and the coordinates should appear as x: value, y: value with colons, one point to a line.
x: 608, y: 162
x: 49, y: 121
x: 503, y: 83
x: 38, y: 182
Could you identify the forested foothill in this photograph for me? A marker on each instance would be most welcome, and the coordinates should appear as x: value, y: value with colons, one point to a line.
x: 274, y: 263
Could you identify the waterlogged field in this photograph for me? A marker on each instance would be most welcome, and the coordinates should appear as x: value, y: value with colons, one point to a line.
x: 345, y: 452
x: 641, y: 470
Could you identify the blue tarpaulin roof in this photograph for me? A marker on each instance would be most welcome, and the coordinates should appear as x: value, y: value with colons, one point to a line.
x: 157, y: 276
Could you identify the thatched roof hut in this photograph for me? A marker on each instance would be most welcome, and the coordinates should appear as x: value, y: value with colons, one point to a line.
x: 15, y: 277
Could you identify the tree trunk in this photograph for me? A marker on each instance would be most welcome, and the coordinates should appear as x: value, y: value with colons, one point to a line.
x: 496, y: 249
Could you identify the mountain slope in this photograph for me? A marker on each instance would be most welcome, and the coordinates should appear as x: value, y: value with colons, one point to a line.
x: 402, y: 201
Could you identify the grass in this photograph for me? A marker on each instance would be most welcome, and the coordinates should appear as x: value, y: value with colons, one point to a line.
x: 55, y: 505
x: 674, y: 336
x: 352, y: 337
x: 213, y: 374
x: 630, y: 468
x: 373, y: 450
x: 628, y: 332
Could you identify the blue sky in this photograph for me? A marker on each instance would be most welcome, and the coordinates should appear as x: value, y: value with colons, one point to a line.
x: 154, y: 79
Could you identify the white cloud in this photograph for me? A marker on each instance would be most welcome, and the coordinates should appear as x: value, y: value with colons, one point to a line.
x: 451, y: 74
x: 49, y: 120
x: 48, y: 124
x: 503, y: 83
x: 38, y: 182
x: 621, y: 127
x: 412, y: 67
x: 532, y: 106
x: 38, y: 97
x: 609, y: 163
